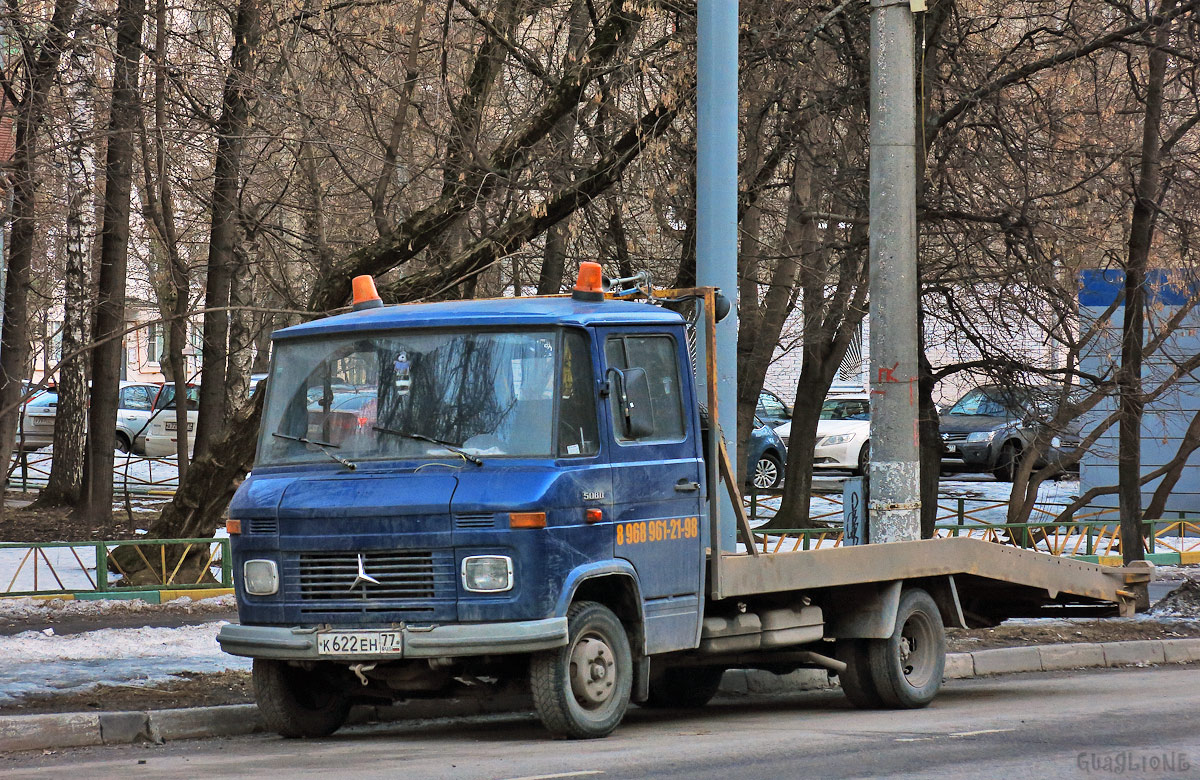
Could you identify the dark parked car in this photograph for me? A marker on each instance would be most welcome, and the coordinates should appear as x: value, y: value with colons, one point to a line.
x: 765, y: 456
x: 989, y: 429
x: 772, y: 410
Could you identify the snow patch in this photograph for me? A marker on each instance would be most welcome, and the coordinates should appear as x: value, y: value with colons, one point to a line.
x: 36, y: 662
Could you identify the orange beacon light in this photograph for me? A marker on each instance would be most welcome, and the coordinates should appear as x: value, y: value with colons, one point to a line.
x: 589, y: 285
x: 365, y: 296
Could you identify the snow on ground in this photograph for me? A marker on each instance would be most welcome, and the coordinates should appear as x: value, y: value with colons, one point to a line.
x: 42, y: 662
x: 136, y: 471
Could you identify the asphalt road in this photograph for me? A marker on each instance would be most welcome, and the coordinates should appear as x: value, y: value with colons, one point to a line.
x: 1106, y: 723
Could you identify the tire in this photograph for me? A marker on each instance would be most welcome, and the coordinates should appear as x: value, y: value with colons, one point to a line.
x: 768, y: 471
x: 295, y: 702
x: 684, y: 687
x: 856, y: 680
x: 123, y: 444
x: 1006, y: 464
x: 864, y: 459
x: 577, y: 701
x: 907, y: 667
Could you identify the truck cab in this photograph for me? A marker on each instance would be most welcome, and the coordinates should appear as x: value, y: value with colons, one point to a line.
x: 437, y: 485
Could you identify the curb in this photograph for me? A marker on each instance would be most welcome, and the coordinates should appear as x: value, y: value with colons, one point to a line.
x: 84, y: 729
x: 89, y: 729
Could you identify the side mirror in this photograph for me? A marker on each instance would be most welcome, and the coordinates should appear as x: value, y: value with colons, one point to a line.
x: 633, y: 402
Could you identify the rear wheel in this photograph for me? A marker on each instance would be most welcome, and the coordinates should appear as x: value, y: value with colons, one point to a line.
x: 768, y: 471
x: 856, y: 680
x: 582, y: 690
x: 297, y: 702
x: 684, y: 687
x: 907, y: 667
x: 123, y: 444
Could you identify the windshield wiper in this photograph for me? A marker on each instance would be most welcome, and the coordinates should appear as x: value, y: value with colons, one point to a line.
x: 456, y: 449
x: 321, y: 447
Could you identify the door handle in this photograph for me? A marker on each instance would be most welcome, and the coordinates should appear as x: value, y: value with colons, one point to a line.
x: 683, y: 486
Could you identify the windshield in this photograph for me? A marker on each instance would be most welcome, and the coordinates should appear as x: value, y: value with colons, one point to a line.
x: 984, y: 403
x: 846, y: 409
x: 406, y: 395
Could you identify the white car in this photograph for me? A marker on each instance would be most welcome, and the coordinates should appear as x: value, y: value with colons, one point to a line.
x: 162, y: 437
x: 134, y: 400
x: 843, y: 433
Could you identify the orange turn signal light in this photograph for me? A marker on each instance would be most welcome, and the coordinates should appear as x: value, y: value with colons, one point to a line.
x: 595, y: 515
x: 589, y: 285
x: 526, y: 519
x: 233, y: 527
x: 365, y: 294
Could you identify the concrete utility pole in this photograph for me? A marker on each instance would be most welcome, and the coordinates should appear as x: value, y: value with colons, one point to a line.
x: 716, y: 200
x: 895, y: 507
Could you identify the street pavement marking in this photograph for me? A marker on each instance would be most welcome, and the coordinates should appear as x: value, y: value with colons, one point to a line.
x: 980, y: 731
x: 954, y: 735
x: 561, y: 774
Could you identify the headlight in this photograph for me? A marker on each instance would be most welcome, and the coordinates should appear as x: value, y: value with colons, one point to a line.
x: 841, y: 438
x: 487, y: 573
x: 261, y: 577
x: 981, y: 436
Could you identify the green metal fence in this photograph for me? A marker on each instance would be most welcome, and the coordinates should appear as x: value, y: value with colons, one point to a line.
x: 94, y: 569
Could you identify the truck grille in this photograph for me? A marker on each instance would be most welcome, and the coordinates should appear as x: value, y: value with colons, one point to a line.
x: 953, y: 437
x: 403, y: 574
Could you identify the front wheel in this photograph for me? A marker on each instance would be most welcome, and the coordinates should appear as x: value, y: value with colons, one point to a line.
x: 907, y: 667
x: 1006, y: 464
x: 864, y: 459
x: 768, y: 471
x: 298, y: 702
x: 582, y: 690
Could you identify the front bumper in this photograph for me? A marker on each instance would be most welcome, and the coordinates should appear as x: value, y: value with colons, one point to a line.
x: 445, y: 641
x: 974, y: 454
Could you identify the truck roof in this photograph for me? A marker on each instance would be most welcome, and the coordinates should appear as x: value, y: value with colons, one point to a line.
x: 535, y: 311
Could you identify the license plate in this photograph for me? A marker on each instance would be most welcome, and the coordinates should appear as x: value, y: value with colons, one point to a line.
x: 951, y: 448
x: 171, y: 426
x: 359, y: 643
x: 43, y: 421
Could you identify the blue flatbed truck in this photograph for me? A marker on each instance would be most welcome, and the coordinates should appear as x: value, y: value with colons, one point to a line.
x: 519, y: 492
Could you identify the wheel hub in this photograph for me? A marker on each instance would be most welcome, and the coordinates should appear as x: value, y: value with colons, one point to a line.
x: 592, y: 665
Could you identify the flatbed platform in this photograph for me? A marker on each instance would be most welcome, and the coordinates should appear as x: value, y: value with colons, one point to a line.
x: 1024, y: 576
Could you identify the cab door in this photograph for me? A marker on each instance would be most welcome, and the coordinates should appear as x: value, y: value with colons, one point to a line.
x: 657, y: 483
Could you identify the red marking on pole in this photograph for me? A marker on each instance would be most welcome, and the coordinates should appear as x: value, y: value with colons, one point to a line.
x: 888, y: 374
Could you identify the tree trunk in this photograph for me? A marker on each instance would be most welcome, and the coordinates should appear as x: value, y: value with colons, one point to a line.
x: 231, y: 130
x: 930, y: 450
x: 114, y: 255
x: 65, y: 484
x: 30, y: 115
x: 241, y: 324
x: 1141, y: 236
x: 554, y: 258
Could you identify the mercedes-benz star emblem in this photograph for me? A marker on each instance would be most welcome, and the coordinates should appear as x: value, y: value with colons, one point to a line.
x: 362, y: 575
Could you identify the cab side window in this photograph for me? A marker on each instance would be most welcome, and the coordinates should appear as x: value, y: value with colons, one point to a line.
x: 657, y: 356
x: 578, y: 431
x: 134, y: 398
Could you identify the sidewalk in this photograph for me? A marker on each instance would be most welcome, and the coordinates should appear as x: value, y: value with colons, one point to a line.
x: 81, y: 729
